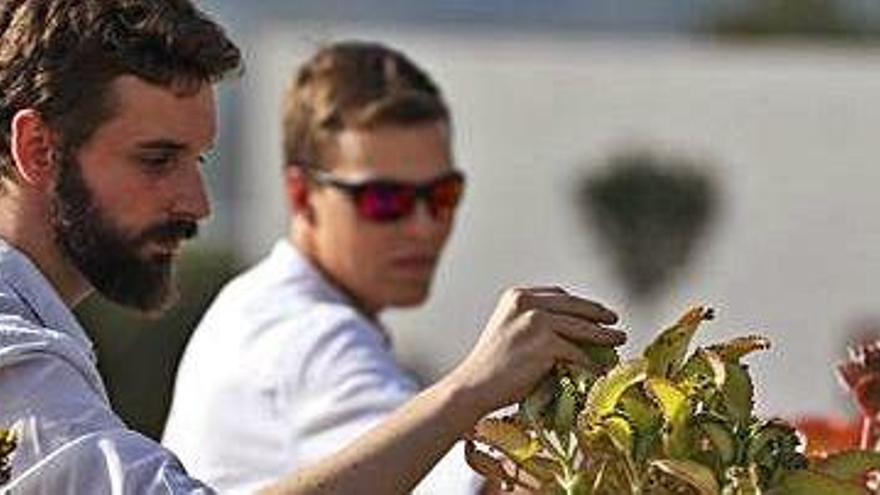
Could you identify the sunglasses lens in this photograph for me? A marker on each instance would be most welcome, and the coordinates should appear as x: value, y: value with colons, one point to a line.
x: 386, y: 204
x: 445, y: 196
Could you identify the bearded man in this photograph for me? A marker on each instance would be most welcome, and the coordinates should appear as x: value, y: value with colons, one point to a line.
x: 107, y: 109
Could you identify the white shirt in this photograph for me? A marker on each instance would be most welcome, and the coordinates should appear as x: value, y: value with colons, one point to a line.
x: 282, y: 372
x: 51, y: 395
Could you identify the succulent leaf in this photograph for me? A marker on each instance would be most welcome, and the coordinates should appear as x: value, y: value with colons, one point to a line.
x: 508, y: 436
x: 849, y: 466
x: 566, y: 406
x: 807, y: 482
x: 703, y: 374
x: 678, y: 474
x: 606, y: 392
x: 735, y: 349
x: 738, y: 393
x: 741, y: 481
x: 666, y: 353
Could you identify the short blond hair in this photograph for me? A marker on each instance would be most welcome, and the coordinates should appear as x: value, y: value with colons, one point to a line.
x: 354, y: 85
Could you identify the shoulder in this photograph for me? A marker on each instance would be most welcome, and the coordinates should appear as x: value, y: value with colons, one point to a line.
x: 273, y: 289
x: 273, y: 336
x: 318, y: 335
x: 331, y: 324
x: 33, y: 354
x: 22, y: 339
x: 278, y: 307
x: 341, y: 346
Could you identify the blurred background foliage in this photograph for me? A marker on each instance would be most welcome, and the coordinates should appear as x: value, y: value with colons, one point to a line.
x: 650, y: 211
x: 759, y: 19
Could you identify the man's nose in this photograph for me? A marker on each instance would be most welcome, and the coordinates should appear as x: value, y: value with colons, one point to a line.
x: 192, y: 199
x: 422, y: 223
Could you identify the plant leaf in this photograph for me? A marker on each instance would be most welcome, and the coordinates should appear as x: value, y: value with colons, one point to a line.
x: 490, y: 467
x: 646, y: 420
x: 606, y: 392
x: 603, y: 357
x: 808, y: 482
x: 620, y: 432
x: 508, y: 436
x: 566, y: 406
x: 542, y: 469
x: 735, y: 349
x: 852, y: 465
x: 775, y: 447
x: 703, y: 374
x: 678, y: 472
x: 677, y: 411
x: 536, y: 405
x: 741, y: 481
x: 583, y: 376
x: 673, y: 401
x: 721, y: 438
x: 666, y: 353
x: 738, y: 393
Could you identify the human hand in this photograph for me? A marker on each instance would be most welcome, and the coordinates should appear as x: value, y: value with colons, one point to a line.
x: 531, y: 330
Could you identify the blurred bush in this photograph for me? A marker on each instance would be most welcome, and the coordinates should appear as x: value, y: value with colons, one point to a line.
x: 802, y: 18
x: 137, y: 355
x: 649, y: 211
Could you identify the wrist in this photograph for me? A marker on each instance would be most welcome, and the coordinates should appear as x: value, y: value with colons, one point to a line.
x: 463, y: 400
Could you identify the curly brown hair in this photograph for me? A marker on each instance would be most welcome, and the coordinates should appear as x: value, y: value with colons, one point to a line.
x: 354, y: 85
x: 59, y: 58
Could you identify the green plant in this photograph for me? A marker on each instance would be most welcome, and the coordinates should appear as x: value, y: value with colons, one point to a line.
x: 8, y: 443
x: 668, y: 422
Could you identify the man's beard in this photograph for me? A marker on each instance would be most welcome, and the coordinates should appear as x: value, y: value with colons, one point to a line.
x: 105, y: 254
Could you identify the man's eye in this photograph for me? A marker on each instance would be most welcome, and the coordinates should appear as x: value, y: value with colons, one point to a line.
x: 156, y: 162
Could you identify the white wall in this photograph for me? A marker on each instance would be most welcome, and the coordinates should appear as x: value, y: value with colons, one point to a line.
x: 790, y: 130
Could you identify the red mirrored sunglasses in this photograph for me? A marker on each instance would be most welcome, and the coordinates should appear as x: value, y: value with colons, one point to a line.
x: 385, y: 200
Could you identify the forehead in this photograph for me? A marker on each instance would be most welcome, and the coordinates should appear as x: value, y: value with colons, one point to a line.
x: 405, y: 152
x: 142, y: 111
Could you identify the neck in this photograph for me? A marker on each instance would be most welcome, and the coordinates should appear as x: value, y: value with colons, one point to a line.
x: 25, y: 225
x: 301, y: 240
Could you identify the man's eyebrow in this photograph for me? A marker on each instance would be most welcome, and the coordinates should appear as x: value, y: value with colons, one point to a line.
x: 173, y: 146
x: 162, y: 145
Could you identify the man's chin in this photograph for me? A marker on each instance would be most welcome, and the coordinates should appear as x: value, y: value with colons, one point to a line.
x: 153, y: 305
x: 149, y: 292
x: 410, y: 298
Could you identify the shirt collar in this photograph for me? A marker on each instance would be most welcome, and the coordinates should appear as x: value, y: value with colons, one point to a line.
x: 288, y: 259
x: 291, y: 261
x: 42, y: 304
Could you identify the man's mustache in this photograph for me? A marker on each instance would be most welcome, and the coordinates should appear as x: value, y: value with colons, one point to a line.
x: 175, y: 230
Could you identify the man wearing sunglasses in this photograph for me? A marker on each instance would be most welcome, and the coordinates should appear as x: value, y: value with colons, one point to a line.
x: 106, y: 111
x: 372, y: 189
x: 299, y: 362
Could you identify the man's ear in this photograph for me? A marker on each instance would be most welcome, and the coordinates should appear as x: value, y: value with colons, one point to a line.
x: 33, y: 148
x: 298, y: 190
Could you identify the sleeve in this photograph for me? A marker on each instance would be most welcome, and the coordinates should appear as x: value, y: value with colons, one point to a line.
x: 112, y: 462
x: 71, y: 442
x: 348, y: 382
